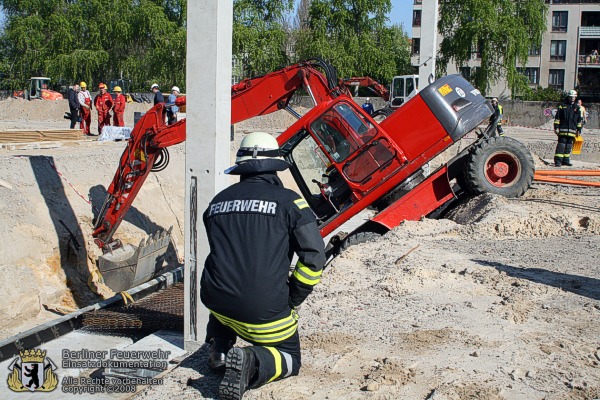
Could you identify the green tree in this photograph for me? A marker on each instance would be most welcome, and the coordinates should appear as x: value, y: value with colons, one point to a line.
x: 96, y: 40
x: 259, y: 35
x: 353, y: 36
x: 501, y: 32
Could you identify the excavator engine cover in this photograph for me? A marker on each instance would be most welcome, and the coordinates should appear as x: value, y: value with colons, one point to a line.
x: 128, y: 266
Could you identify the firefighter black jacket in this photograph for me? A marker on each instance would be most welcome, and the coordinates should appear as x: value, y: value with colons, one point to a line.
x: 254, y: 227
x: 568, y: 118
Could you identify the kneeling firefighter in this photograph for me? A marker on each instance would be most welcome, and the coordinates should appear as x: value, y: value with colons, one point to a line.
x: 254, y: 227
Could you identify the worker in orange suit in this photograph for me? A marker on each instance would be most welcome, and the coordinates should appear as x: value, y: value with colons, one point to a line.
x: 103, y: 103
x: 119, y: 108
x: 85, y: 101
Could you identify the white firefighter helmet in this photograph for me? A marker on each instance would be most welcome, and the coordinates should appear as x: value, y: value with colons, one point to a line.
x: 495, y: 100
x: 175, y: 89
x: 572, y: 93
x: 258, y: 152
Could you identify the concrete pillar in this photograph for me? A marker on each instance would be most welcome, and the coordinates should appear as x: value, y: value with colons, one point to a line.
x: 429, y: 33
x: 208, y: 113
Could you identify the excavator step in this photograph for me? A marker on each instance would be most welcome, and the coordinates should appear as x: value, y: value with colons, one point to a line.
x: 129, y: 266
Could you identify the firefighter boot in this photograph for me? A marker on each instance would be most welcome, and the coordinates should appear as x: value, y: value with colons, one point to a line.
x: 218, y: 352
x: 240, y: 367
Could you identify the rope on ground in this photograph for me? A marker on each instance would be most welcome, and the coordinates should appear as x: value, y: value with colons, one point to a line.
x: 87, y: 200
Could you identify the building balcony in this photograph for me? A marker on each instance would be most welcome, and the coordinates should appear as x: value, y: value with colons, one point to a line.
x: 588, y: 61
x: 589, y: 31
x: 572, y: 1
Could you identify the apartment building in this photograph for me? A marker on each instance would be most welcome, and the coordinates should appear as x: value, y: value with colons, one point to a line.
x: 567, y: 58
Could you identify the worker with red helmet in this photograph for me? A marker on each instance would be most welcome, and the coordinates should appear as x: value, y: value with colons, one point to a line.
x: 119, y: 108
x: 103, y: 103
x: 85, y: 101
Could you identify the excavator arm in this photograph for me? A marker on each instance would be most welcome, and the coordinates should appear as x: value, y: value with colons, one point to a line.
x: 145, y: 152
x: 369, y: 83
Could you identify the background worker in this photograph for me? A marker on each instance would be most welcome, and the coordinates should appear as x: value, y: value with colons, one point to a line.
x: 567, y: 125
x: 119, y: 107
x: 85, y: 103
x: 158, y: 96
x: 498, y: 113
x: 253, y: 229
x: 103, y: 103
x: 584, y: 113
x: 367, y: 106
x: 73, y: 104
x: 172, y: 110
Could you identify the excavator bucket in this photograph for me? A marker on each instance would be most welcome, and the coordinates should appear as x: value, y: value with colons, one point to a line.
x: 128, y: 266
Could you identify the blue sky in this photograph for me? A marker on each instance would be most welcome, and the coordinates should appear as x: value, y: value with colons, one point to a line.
x: 402, y: 14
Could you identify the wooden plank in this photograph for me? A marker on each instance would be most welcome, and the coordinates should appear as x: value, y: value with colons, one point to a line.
x: 31, y: 145
x: 26, y: 136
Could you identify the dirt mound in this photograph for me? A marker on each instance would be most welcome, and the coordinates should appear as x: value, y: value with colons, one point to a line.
x: 494, y: 216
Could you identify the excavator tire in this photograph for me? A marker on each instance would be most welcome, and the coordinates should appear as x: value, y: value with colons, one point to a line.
x: 499, y: 165
x: 359, y: 238
x: 382, y: 114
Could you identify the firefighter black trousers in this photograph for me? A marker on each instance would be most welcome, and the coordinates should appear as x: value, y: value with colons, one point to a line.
x: 275, y: 361
x: 562, y: 155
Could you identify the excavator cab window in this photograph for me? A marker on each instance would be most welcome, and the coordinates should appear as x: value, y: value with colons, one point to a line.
x: 316, y: 176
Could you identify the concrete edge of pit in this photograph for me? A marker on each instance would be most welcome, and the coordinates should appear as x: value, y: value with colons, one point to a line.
x: 56, y: 328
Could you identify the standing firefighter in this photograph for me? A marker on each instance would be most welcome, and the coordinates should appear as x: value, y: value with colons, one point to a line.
x: 85, y: 100
x: 254, y: 227
x: 103, y: 103
x: 497, y: 115
x: 119, y: 108
x: 567, y: 125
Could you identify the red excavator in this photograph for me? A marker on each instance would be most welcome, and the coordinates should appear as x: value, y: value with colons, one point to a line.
x: 38, y: 88
x: 342, y: 160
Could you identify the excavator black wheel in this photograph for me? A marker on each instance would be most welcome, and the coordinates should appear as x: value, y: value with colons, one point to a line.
x: 382, y: 114
x: 499, y: 165
x: 359, y: 238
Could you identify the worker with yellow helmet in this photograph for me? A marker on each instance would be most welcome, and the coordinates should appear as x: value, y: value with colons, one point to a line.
x: 85, y: 101
x: 119, y: 107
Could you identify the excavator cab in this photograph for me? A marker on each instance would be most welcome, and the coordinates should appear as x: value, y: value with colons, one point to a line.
x: 339, y: 157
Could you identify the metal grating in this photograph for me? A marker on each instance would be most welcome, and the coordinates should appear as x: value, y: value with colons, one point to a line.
x: 161, y: 310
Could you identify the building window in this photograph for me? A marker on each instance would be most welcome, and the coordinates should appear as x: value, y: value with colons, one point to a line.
x: 559, y: 21
x: 416, y: 46
x: 558, y: 49
x: 556, y: 79
x: 478, y: 50
x: 534, y: 51
x: 465, y: 72
x: 532, y: 74
x: 416, y: 18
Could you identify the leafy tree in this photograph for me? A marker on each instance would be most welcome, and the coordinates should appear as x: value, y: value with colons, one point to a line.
x: 96, y: 40
x: 542, y: 94
x: 501, y: 32
x: 353, y: 36
x: 259, y: 35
